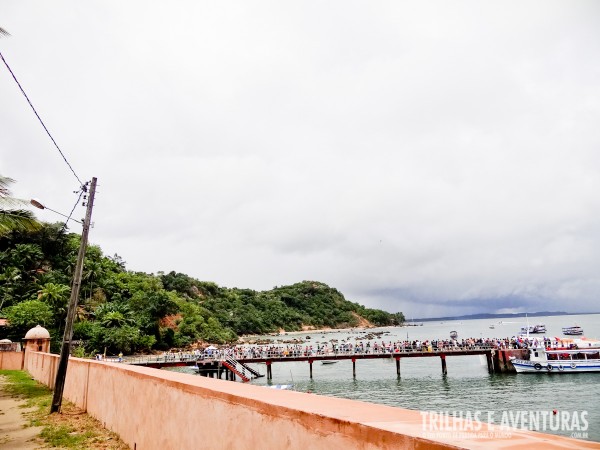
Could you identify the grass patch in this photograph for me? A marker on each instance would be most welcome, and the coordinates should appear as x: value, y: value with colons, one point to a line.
x: 20, y: 384
x: 65, y: 436
x: 72, y: 428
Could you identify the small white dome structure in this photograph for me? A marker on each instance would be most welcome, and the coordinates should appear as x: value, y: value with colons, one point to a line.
x: 37, y: 339
x: 5, y: 341
x: 37, y: 332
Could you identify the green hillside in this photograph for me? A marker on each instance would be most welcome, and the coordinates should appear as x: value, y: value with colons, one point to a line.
x: 129, y: 311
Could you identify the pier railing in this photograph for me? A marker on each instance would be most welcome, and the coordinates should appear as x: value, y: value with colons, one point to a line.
x: 156, y: 359
x: 271, y: 352
x: 279, y: 353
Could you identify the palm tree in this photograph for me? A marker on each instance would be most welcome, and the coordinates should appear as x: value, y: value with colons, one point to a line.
x: 11, y: 216
x: 55, y: 295
x: 114, y: 315
x: 114, y: 319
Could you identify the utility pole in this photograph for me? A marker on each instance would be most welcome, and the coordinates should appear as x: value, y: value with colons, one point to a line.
x: 61, y: 373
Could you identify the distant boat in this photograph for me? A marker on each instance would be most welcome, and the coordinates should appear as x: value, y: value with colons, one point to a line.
x: 328, y: 362
x: 534, y: 329
x: 453, y: 334
x: 492, y: 326
x: 413, y: 324
x: 572, y: 331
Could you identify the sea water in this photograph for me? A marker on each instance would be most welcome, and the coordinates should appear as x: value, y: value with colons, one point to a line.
x: 467, y: 388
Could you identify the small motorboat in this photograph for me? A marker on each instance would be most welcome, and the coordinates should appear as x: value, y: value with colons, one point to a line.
x: 328, y: 362
x: 453, y: 334
x: 572, y: 331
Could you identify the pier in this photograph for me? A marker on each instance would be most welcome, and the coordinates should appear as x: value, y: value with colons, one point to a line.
x: 223, y: 363
x: 270, y: 359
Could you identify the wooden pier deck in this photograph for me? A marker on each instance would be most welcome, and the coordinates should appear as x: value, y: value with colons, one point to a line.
x: 217, y: 360
x: 397, y: 355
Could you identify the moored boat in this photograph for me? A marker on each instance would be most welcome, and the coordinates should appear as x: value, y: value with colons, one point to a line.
x: 453, y: 334
x: 584, y: 342
x: 572, y: 331
x: 574, y: 343
x: 540, y: 328
x: 559, y: 360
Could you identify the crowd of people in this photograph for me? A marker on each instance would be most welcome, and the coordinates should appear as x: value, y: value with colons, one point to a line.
x: 360, y: 347
x: 248, y: 351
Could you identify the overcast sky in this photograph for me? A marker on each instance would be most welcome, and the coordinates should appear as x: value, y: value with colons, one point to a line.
x: 435, y: 158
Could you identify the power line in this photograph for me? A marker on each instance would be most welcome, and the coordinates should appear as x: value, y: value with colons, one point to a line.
x: 81, y: 191
x: 40, y: 119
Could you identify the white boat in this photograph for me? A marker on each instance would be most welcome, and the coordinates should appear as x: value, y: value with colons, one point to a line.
x: 576, y: 343
x: 582, y: 342
x: 572, y: 331
x: 559, y: 360
x: 453, y: 334
x: 492, y: 327
x: 534, y: 329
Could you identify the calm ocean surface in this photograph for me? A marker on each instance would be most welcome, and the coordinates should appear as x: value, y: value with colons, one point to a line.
x: 468, y: 387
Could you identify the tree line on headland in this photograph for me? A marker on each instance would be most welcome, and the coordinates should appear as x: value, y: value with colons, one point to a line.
x: 126, y: 311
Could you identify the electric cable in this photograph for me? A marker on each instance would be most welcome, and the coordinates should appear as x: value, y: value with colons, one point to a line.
x: 39, y: 118
x: 81, y: 191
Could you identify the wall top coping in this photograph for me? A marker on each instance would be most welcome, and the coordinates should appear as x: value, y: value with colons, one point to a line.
x: 352, y: 415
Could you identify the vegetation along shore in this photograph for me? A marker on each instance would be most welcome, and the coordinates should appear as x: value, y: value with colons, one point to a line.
x: 126, y: 311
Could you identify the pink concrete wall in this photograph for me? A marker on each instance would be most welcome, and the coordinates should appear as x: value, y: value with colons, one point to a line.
x: 155, y: 409
x: 11, y: 360
x: 42, y: 366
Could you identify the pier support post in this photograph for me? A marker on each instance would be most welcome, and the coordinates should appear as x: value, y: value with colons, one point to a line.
x: 398, y: 366
x: 490, y: 362
x: 501, y: 367
x: 310, y: 361
x: 353, y: 367
x: 269, y: 371
x: 444, y: 369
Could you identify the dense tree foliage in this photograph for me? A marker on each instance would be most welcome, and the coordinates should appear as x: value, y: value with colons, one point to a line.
x: 126, y: 311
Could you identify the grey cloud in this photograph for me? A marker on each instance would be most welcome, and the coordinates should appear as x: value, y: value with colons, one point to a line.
x: 420, y: 157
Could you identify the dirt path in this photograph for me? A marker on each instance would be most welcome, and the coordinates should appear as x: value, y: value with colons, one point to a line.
x: 14, y: 431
